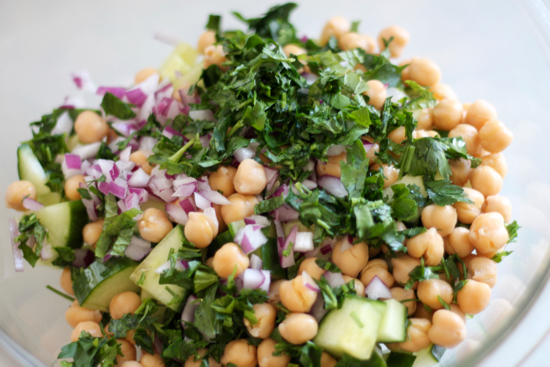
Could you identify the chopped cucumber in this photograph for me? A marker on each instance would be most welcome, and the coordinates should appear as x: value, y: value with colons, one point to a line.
x: 400, y: 359
x: 429, y: 357
x: 351, y: 329
x: 181, y: 60
x: 31, y: 170
x: 393, y: 327
x: 99, y: 283
x: 376, y: 359
x: 147, y: 270
x: 235, y: 226
x: 49, y: 199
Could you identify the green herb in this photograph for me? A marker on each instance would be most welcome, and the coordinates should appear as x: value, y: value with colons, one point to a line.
x: 443, y: 192
x: 113, y: 106
x: 59, y: 293
x: 65, y: 256
x: 269, y: 205
x: 512, y: 229
x: 443, y: 303
x: 214, y: 23
x: 420, y: 273
x: 327, y: 265
x: 30, y: 229
x: 499, y: 256
x: 274, y: 24
x: 89, y: 351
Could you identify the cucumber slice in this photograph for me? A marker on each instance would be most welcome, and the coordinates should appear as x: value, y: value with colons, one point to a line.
x: 49, y: 199
x: 148, y: 267
x: 393, y: 327
x: 31, y: 170
x: 99, y: 283
x: 429, y: 357
x: 235, y: 226
x: 351, y: 329
x: 376, y: 359
x: 400, y: 359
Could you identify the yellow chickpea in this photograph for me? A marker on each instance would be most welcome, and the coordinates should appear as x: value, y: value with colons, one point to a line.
x: 206, y: 39
x: 483, y: 270
x: 124, y: 303
x: 18, y: 191
x: 442, y: 91
x: 417, y: 335
x: 377, y: 94
x: 214, y: 55
x: 422, y: 312
x: 402, y: 266
x: 428, y: 245
x: 76, y: 314
x: 273, y: 294
x: 460, y: 171
x: 242, y: 206
x: 131, y: 364
x: 266, y: 357
x: 200, y: 230
x: 90, y: 127
x: 310, y: 266
x: 456, y: 309
x: 352, y: 260
x: 139, y: 157
x: 228, y: 258
x: 298, y: 328
x: 130, y: 336
x: 479, y: 112
x: 221, y: 224
x: 88, y: 326
x: 400, y: 40
x: 357, y: 285
x: 151, y: 360
x: 391, y: 174
x: 371, y: 154
x: 240, y: 353
x: 266, y: 314
x: 66, y: 282
x: 351, y: 41
x: 401, y: 294
x: 466, y: 213
x: 376, y: 268
x: 442, y: 218
x: 191, y: 362
x: 496, y: 161
x: 128, y: 351
x: 405, y: 72
x: 486, y: 180
x: 423, y: 71
x: 498, y: 204
x: 425, y: 119
x: 154, y: 225
x: 71, y: 185
x: 448, y: 329
x: 250, y: 178
x: 92, y: 231
x: 418, y: 134
x: 399, y: 135
x: 327, y: 360
x: 470, y: 136
x: 222, y: 180
x: 144, y: 74
x: 447, y: 115
x: 494, y: 137
x: 429, y: 292
x: 335, y: 27
x: 474, y: 297
x: 332, y: 168
x: 293, y: 50
x: 458, y: 242
x: 295, y: 296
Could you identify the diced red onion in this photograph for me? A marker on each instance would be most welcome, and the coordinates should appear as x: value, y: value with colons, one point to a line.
x: 201, y: 202
x: 117, y: 190
x: 252, y: 278
x: 17, y: 253
x: 132, y: 201
x: 146, y: 108
x: 165, y: 266
x: 186, y: 190
x: 258, y: 219
x: 271, y: 176
x: 310, y: 185
x: 244, y: 153
x: 347, y: 243
x: 256, y: 262
x: 122, y: 206
x: 188, y: 205
x: 104, y: 187
x: 87, y: 151
x: 309, y: 282
x: 73, y: 161
x: 124, y: 166
x: 281, y: 190
x: 108, y: 169
x: 335, y: 279
x: 332, y: 185
x: 177, y: 213
x: 188, y: 313
x: 82, y: 80
x: 377, y: 289
x: 162, y: 107
x: 142, y: 194
x: 202, y: 115
x: 137, y: 249
x: 286, y: 213
x: 267, y: 282
x: 202, y: 184
x: 304, y: 242
x: 116, y: 91
x: 395, y: 94
x: 336, y: 150
x: 139, y: 179
x: 124, y: 156
x: 136, y: 96
x: 83, y: 258
x: 147, y: 143
x: 162, y: 188
x: 288, y: 261
x: 90, y: 209
x: 318, y: 310
x: 215, y: 197
x: 280, y: 235
x: 205, y: 140
x: 169, y: 132
x: 32, y: 204
x: 367, y: 145
x: 250, y: 238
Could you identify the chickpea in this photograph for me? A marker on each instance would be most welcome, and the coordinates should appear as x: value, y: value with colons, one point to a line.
x: 200, y: 230
x: 405, y: 75
x: 327, y: 360
x: 494, y: 136
x: 130, y: 336
x: 479, y: 112
x: 128, y: 351
x: 398, y: 135
x: 447, y: 115
x: 371, y: 154
x: 402, y: 266
x: 295, y: 296
x: 474, y: 297
x: 139, y: 157
x: 460, y: 171
x: 417, y: 335
x: 377, y: 94
x: 376, y: 268
x: 214, y: 55
x: 266, y: 314
x: 71, y: 185
x: 466, y: 213
x: 352, y: 260
x: 124, y: 303
x: 425, y: 119
x: 499, y: 204
x: 357, y: 285
x: 154, y: 225
x: 442, y: 218
x: 332, y: 168
x: 496, y: 161
x: 483, y: 270
x: 293, y: 50
x: 401, y: 294
x: 429, y: 290
x: 228, y: 258
x: 458, y: 242
x: 90, y: 127
x: 88, y: 326
x: 273, y: 294
x: 442, y: 91
x: 418, y: 134
x: 242, y: 206
x: 92, y: 231
x: 144, y: 74
x: 222, y: 180
x: 422, y: 312
x: 428, y: 245
x: 66, y: 282
x: 448, y: 329
x: 423, y: 71
x: 310, y: 266
x: 266, y: 357
x: 76, y: 315
x: 400, y: 40
x: 298, y: 328
x: 240, y: 353
x: 391, y: 174
x: 486, y: 180
x: 206, y: 39
x: 151, y: 360
x: 470, y: 136
x: 221, y: 224
x: 336, y: 27
x: 17, y: 192
x: 351, y: 41
x: 131, y: 364
x: 456, y: 310
x: 250, y: 178
x: 191, y: 362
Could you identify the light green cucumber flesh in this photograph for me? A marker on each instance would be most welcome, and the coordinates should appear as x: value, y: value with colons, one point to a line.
x: 31, y: 170
x: 393, y: 326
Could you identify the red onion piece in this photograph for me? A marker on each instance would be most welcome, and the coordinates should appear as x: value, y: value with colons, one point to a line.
x: 124, y: 156
x: 202, y: 115
x: 318, y: 310
x: 267, y: 282
x: 132, y: 201
x: 309, y: 282
x: 87, y: 151
x: 309, y: 184
x: 188, y: 313
x: 186, y: 190
x: 336, y: 149
x: 215, y: 197
x: 17, y: 253
x: 202, y: 184
x: 201, y: 201
x: 137, y: 249
x: 256, y: 262
x: 139, y: 179
x: 271, y: 176
x: 31, y: 204
x: 244, y: 153
x: 280, y: 235
x: 177, y: 213
x: 367, y: 145
x: 252, y: 278
x: 377, y: 289
x: 70, y: 172
x: 83, y: 258
x: 136, y: 96
x: 169, y: 132
x: 286, y: 213
x: 188, y: 205
x: 335, y: 279
x: 288, y: 261
x: 332, y: 185
x: 116, y: 91
x: 90, y: 209
x: 147, y: 143
x: 258, y: 219
x: 164, y: 194
x: 205, y: 140
x: 104, y: 187
x: 304, y: 242
x: 211, y: 214
x: 142, y: 194
x: 347, y: 243
x: 250, y: 238
x: 73, y: 161
x: 117, y: 190
x: 281, y: 190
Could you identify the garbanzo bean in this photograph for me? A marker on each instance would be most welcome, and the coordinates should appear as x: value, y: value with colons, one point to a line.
x: 214, y: 55
x: 400, y: 40
x: 92, y: 231
x: 139, y: 157
x: 442, y: 218
x: 399, y: 135
x: 425, y: 119
x: 124, y: 303
x: 466, y: 213
x: 405, y: 72
x: 357, y: 285
x: 71, y: 185
x: 206, y: 39
x: 377, y: 94
x: 240, y: 353
x: 418, y: 134
x: 371, y: 153
x: 154, y: 225
x: 131, y: 364
x: 351, y: 41
x: 242, y: 206
x: 335, y: 27
x: 250, y: 178
x: 470, y: 136
x: 401, y: 294
x: 144, y: 74
x: 474, y: 297
x: 352, y: 260
x: 128, y: 351
x: 222, y: 180
x: 447, y: 115
x: 456, y: 309
x: 327, y: 360
x: 151, y: 360
x: 293, y: 50
x: 497, y: 161
x: 221, y: 224
x: 18, y: 191
x: 273, y: 294
x: 460, y: 171
x: 429, y: 290
x: 391, y: 174
x: 428, y: 245
x: 422, y: 312
x: 295, y: 296
x: 479, y: 112
x: 442, y: 91
x: 494, y: 137
x: 483, y: 270
x: 266, y: 357
x: 90, y: 127
x: 402, y: 266
x: 298, y: 328
x: 66, y: 282
x: 488, y: 232
x: 498, y: 204
x: 191, y: 362
x: 265, y: 313
x: 376, y: 268
x: 310, y: 267
x: 458, y: 242
x: 417, y: 335
x: 88, y: 326
x: 200, y: 230
x: 448, y: 329
x: 228, y: 258
x: 423, y: 71
x: 332, y: 167
x: 76, y: 314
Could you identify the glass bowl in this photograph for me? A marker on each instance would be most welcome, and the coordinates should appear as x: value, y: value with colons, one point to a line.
x: 498, y: 51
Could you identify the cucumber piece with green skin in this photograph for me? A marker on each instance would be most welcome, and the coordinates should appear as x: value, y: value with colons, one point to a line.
x: 352, y: 329
x: 376, y: 359
x: 147, y: 269
x: 400, y: 359
x: 393, y: 326
x: 99, y: 283
x: 235, y: 226
x: 30, y: 169
x: 429, y: 357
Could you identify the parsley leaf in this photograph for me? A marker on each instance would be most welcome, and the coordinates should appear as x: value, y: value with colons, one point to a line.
x: 443, y: 192
x: 31, y: 238
x: 113, y: 106
x: 91, y: 351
